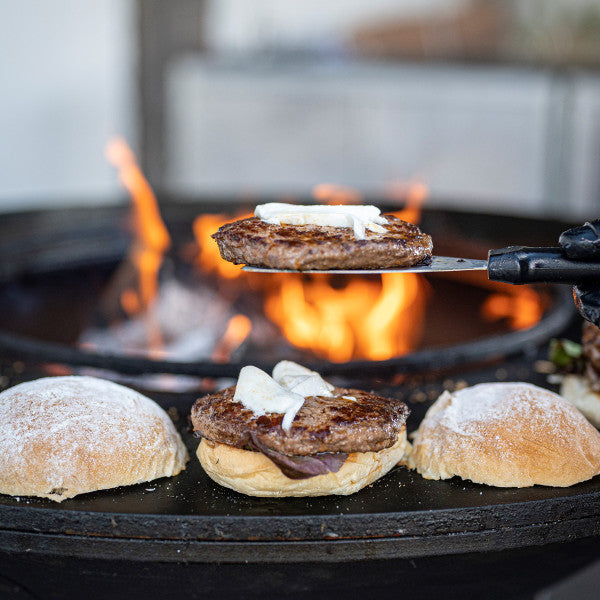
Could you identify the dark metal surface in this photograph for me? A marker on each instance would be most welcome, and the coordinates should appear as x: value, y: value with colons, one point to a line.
x: 190, y: 518
x: 316, y: 533
x: 496, y: 575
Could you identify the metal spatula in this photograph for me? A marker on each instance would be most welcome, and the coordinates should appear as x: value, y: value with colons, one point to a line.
x: 516, y: 264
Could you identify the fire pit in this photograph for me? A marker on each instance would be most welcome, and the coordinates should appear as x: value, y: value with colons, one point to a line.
x: 65, y: 296
x: 48, y: 299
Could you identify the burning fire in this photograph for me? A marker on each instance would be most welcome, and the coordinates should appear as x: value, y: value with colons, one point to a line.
x: 209, y: 260
x: 339, y: 318
x: 366, y: 318
x: 414, y: 195
x: 330, y: 193
x: 151, y: 237
x: 237, y: 331
x: 362, y: 317
x: 151, y: 241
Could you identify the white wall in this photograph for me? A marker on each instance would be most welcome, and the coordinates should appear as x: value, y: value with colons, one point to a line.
x: 233, y: 26
x: 66, y: 85
x: 492, y: 138
x: 495, y: 139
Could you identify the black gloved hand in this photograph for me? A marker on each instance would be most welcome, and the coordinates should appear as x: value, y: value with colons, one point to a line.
x: 583, y: 243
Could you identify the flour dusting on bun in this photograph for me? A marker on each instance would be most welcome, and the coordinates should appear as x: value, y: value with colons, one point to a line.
x: 506, y: 435
x: 63, y: 436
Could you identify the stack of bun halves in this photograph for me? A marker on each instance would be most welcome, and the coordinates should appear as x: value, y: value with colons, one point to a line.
x: 291, y: 433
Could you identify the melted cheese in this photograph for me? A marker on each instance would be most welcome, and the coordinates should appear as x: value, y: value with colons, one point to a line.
x: 359, y: 218
x: 262, y: 394
x: 301, y: 380
x: 284, y: 393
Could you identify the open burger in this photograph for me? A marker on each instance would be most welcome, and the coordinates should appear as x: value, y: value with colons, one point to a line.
x: 294, y: 434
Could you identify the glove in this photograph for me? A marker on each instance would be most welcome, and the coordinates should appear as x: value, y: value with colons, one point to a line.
x: 583, y: 243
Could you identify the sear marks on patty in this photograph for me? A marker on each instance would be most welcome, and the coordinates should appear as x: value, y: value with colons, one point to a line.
x: 303, y: 247
x: 369, y: 424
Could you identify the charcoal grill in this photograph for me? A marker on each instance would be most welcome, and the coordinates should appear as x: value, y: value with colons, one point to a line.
x: 188, y: 535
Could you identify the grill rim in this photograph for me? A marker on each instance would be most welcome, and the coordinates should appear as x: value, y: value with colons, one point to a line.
x: 554, y: 321
x: 454, y: 531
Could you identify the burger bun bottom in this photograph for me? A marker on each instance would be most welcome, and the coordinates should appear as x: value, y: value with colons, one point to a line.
x: 253, y: 474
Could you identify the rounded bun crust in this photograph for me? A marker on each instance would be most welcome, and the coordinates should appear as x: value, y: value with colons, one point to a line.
x: 506, y: 435
x: 254, y: 474
x: 577, y: 390
x: 63, y: 436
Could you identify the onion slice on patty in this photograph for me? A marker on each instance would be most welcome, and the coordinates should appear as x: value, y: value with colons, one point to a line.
x: 302, y: 467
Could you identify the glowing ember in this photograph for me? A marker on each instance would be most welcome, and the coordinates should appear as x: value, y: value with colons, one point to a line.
x: 522, y: 307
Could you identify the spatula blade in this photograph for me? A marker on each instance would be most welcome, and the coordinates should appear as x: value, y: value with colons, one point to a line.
x: 438, y: 264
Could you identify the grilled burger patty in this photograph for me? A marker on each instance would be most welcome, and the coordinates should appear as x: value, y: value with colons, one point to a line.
x: 302, y: 247
x: 368, y: 424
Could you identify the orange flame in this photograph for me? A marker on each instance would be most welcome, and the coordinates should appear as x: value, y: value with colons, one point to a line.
x: 415, y: 196
x: 330, y: 193
x: 151, y: 236
x: 150, y: 243
x: 363, y: 318
x: 522, y: 306
x: 367, y: 318
x: 209, y: 259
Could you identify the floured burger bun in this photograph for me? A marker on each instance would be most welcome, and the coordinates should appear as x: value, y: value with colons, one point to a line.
x: 506, y: 435
x: 583, y: 390
x: 63, y: 436
x: 297, y: 435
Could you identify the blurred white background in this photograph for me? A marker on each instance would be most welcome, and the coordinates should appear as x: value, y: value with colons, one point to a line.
x: 495, y: 106
x: 68, y: 83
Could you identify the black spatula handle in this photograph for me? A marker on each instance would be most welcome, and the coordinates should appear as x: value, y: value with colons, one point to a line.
x: 521, y: 264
